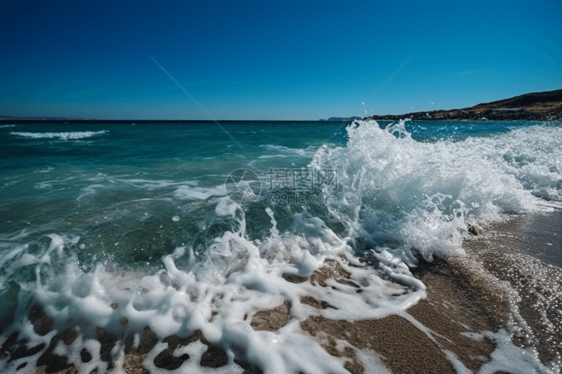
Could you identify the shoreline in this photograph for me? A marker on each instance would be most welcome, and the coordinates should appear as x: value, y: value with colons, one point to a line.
x: 538, y: 284
x: 470, y: 295
x: 456, y: 327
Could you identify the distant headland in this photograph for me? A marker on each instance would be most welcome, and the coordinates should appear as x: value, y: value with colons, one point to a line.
x: 537, y: 106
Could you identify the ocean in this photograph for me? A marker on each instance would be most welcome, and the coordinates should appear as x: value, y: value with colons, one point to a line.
x: 194, y: 226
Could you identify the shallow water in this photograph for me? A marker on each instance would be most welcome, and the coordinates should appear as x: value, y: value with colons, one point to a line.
x: 140, y: 214
x: 537, y: 235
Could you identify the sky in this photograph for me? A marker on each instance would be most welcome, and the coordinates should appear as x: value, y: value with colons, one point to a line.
x: 271, y: 60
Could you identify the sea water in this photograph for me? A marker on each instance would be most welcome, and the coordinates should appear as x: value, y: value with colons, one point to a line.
x: 143, y: 215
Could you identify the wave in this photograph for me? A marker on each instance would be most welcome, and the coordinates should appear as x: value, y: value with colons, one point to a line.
x: 60, y: 135
x: 396, y: 198
x: 420, y: 196
x: 6, y: 126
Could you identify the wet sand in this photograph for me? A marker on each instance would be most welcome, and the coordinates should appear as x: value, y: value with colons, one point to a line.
x: 538, y: 235
x: 510, y: 251
x: 511, y: 276
x: 453, y: 307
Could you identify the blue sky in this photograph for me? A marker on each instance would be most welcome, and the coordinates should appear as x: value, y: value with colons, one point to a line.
x: 269, y: 59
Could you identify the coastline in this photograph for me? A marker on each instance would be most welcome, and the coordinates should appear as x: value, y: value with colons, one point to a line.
x: 464, y: 116
x: 536, y: 106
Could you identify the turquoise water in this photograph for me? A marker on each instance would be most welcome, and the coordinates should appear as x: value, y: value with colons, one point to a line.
x: 117, y: 186
x: 125, y: 182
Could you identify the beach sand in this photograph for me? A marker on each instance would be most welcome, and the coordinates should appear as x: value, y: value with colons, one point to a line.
x: 510, y: 252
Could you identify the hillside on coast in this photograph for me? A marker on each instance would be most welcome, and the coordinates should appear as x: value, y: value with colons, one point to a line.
x: 539, y: 106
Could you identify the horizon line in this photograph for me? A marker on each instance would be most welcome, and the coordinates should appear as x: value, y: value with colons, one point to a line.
x: 46, y: 119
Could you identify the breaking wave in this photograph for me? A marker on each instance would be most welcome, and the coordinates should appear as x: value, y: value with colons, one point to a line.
x: 420, y: 196
x: 60, y: 135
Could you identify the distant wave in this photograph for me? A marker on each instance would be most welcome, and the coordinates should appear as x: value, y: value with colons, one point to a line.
x: 4, y: 126
x: 60, y: 135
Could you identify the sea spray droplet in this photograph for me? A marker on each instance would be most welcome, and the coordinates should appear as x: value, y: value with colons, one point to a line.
x: 175, y: 218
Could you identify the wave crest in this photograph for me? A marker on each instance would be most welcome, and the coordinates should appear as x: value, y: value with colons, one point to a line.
x: 60, y: 135
x: 406, y: 194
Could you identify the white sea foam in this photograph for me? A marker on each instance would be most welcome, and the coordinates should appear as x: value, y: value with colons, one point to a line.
x: 288, y: 152
x: 396, y: 197
x: 60, y: 135
x: 273, y: 156
x: 183, y: 188
x: 236, y: 279
x: 507, y: 357
x: 397, y: 192
x: 198, y: 193
x: 6, y: 126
